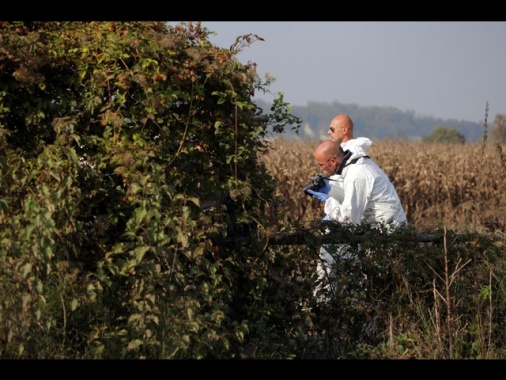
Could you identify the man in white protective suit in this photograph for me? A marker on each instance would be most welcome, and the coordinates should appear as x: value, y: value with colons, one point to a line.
x: 341, y: 131
x: 364, y: 196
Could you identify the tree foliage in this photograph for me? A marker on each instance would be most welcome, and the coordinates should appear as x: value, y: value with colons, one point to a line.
x: 498, y: 133
x: 127, y: 151
x: 445, y: 135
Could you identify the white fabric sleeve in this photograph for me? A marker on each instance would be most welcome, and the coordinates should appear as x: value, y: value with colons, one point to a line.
x: 337, y: 192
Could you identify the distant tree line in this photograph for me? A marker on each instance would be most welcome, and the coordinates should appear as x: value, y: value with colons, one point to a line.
x: 380, y: 122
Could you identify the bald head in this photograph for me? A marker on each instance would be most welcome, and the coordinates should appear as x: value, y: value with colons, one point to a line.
x: 327, y: 149
x: 341, y: 128
x: 328, y: 155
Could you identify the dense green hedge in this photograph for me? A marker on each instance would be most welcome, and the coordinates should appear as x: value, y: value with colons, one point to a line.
x: 113, y: 136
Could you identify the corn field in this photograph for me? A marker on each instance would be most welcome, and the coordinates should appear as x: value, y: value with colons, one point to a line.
x: 460, y: 187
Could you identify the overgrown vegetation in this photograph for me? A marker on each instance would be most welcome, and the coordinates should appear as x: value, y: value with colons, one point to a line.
x: 115, y: 136
x: 140, y: 217
x: 433, y: 291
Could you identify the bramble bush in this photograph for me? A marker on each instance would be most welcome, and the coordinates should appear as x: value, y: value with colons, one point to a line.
x: 113, y: 135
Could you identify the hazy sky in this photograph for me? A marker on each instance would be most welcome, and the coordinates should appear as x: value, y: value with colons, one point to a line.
x: 447, y: 70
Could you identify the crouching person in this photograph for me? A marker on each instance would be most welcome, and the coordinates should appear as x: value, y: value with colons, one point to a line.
x: 366, y: 197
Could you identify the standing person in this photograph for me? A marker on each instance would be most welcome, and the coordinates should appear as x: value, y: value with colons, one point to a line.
x: 341, y: 131
x: 367, y: 195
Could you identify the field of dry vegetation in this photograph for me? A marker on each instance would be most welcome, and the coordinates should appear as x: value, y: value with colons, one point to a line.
x: 460, y: 187
x: 445, y: 299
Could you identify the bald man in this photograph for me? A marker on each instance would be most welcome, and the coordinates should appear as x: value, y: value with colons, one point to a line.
x: 366, y: 197
x: 341, y: 131
x: 341, y: 128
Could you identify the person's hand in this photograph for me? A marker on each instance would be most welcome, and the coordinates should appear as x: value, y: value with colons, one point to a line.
x: 317, y: 195
x: 325, y: 188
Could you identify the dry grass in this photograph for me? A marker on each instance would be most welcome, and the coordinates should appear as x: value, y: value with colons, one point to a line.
x: 452, y: 185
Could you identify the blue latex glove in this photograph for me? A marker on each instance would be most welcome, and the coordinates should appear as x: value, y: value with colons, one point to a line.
x: 320, y: 196
x: 326, y: 188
